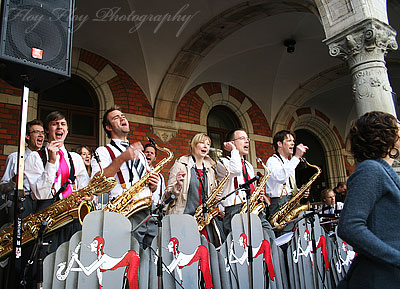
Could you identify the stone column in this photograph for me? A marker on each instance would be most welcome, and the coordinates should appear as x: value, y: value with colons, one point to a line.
x: 364, y: 47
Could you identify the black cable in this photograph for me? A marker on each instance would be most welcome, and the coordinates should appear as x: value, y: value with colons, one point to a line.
x: 165, y: 266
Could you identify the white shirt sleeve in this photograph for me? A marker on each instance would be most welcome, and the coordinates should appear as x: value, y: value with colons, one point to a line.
x: 40, y: 178
x: 11, y: 168
x: 281, y: 172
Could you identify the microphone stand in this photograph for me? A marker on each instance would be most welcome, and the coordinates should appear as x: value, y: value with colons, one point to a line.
x: 159, y: 210
x: 37, y: 250
x: 250, y: 246
x: 160, y: 216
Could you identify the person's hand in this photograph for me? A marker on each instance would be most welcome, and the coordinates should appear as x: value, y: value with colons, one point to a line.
x: 300, y: 150
x: 180, y: 176
x: 229, y: 146
x: 221, y: 214
x: 53, y: 148
x: 132, y: 152
x: 264, y: 198
x: 88, y: 198
x: 153, y: 180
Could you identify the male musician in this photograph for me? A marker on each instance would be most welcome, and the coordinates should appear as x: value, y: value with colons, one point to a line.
x: 330, y: 206
x: 340, y: 191
x: 53, y: 172
x: 149, y: 228
x: 126, y: 162
x: 282, y: 165
x: 34, y: 139
x: 150, y: 151
x: 237, y: 143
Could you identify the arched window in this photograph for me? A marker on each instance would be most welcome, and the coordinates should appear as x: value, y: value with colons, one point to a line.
x: 221, y: 119
x: 315, y: 156
x: 78, y: 102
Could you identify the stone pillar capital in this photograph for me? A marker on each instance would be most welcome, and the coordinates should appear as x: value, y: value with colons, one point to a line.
x: 366, y: 41
x: 363, y: 47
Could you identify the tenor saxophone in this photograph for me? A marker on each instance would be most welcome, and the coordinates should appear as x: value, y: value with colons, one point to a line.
x: 255, y: 206
x: 138, y: 197
x: 292, y: 208
x: 205, y: 213
x: 58, y: 214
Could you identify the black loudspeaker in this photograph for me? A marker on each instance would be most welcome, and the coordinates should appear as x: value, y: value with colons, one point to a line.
x: 36, y: 42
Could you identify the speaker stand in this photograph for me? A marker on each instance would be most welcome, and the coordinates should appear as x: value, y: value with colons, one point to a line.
x: 19, y: 192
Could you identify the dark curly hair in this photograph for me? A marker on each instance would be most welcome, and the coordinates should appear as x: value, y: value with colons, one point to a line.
x: 373, y: 135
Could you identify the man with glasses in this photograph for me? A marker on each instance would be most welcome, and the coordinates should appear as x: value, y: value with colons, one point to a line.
x: 238, y: 144
x: 34, y: 139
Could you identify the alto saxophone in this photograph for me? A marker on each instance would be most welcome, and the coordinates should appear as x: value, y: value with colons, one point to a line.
x: 58, y: 214
x: 292, y: 208
x: 205, y: 213
x: 136, y: 198
x: 255, y: 206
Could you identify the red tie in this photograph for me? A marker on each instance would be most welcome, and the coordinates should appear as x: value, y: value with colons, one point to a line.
x: 247, y: 177
x: 63, y: 169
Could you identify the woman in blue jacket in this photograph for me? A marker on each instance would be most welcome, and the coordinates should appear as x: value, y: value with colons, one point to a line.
x: 370, y: 217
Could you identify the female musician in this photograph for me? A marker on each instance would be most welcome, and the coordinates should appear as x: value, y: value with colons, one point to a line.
x: 368, y: 221
x: 86, y: 153
x: 191, y: 180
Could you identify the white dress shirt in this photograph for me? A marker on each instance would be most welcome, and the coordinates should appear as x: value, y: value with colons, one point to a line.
x: 106, y: 160
x: 278, y: 183
x: 12, y: 168
x: 41, y: 179
x: 158, y: 194
x: 234, y: 165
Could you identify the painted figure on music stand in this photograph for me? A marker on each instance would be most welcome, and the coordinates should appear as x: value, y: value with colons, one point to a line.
x: 183, y: 260
x: 103, y: 263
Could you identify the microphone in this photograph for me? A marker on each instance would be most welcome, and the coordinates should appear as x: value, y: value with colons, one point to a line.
x: 249, y: 182
x: 43, y: 226
x: 169, y: 200
x: 96, y: 156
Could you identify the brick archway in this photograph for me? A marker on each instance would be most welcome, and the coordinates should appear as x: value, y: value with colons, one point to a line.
x: 112, y: 86
x: 212, y: 33
x: 338, y: 161
x: 195, y: 106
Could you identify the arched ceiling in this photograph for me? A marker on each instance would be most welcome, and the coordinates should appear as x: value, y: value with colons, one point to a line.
x: 251, y: 57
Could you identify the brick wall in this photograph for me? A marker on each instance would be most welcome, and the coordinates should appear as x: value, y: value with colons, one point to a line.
x: 9, y: 123
x: 189, y: 109
x: 127, y: 93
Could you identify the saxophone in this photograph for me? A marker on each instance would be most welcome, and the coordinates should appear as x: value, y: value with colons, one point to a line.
x: 255, y: 206
x: 138, y: 197
x: 292, y: 208
x: 58, y: 214
x: 211, y: 205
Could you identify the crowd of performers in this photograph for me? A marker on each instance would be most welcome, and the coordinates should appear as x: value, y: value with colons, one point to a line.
x: 366, y: 222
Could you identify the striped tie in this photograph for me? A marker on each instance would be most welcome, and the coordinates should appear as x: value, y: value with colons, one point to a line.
x: 139, y: 167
